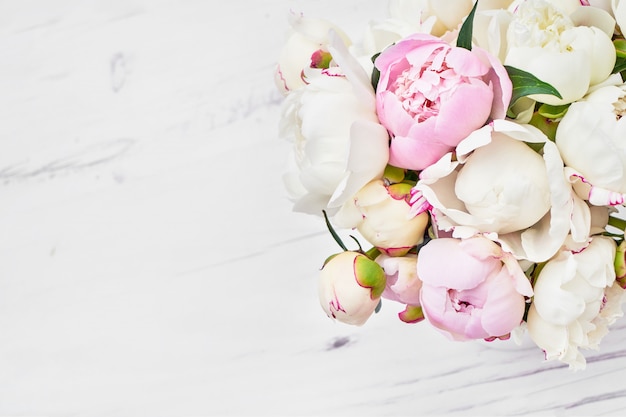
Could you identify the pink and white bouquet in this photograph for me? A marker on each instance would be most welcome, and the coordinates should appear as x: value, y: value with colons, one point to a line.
x: 479, y: 148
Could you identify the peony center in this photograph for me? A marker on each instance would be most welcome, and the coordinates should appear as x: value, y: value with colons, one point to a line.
x: 420, y: 89
x: 619, y: 108
x: 538, y: 23
x: 458, y: 303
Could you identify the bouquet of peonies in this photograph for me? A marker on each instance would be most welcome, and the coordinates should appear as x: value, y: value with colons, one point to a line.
x: 479, y: 148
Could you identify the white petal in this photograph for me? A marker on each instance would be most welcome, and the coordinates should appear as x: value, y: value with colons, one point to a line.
x: 369, y: 154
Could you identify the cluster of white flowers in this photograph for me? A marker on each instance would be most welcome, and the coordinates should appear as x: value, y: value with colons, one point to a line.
x: 485, y: 166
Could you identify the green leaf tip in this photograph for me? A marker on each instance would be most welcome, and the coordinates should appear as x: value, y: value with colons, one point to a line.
x: 375, y: 72
x: 525, y: 84
x: 333, y: 233
x: 467, y: 30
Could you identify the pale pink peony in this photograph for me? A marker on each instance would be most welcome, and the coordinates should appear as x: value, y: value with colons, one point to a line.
x: 432, y: 95
x: 471, y: 288
x: 403, y: 284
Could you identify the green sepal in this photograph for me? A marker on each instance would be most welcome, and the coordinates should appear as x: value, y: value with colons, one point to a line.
x: 411, y: 176
x: 536, y: 272
x: 525, y: 84
x: 547, y: 118
x: 553, y: 112
x: 370, y: 275
x: 620, y: 65
x: 537, y: 147
x: 411, y: 314
x: 393, y: 174
x: 329, y: 259
x: 546, y: 125
x: 399, y: 191
x: 620, y: 47
x: 620, y: 56
x: 321, y: 59
x: 466, y: 32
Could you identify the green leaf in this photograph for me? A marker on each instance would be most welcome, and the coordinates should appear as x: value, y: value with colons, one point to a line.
x: 375, y: 73
x: 620, y: 65
x: 525, y: 84
x: 333, y: 233
x: 620, y: 47
x: 358, y: 244
x: 465, y: 34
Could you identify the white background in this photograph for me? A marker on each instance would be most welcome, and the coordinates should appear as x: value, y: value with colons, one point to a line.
x: 150, y: 264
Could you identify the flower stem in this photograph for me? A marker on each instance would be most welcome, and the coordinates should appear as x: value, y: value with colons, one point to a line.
x: 373, y: 253
x: 617, y: 223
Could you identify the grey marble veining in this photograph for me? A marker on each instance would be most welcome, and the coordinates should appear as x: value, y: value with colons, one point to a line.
x: 150, y: 264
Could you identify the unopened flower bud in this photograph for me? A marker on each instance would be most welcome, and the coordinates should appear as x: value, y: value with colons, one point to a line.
x: 382, y: 214
x: 350, y: 287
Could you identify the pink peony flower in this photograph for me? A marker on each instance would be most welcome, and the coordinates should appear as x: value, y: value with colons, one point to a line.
x: 403, y: 284
x: 431, y: 95
x: 471, y: 289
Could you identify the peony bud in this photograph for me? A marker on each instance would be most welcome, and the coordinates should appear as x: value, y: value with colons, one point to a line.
x: 306, y: 47
x: 350, y: 287
x: 381, y: 214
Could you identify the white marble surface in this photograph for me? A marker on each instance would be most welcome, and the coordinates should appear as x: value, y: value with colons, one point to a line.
x: 150, y: 264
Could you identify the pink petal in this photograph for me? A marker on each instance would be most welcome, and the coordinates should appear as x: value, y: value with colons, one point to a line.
x: 415, y: 154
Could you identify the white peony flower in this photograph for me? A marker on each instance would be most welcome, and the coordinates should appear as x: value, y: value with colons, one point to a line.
x: 502, y: 187
x: 601, y: 4
x: 435, y: 17
x: 442, y: 16
x: 576, y: 299
x: 550, y: 37
x: 339, y: 146
x: 619, y: 11
x: 593, y: 130
x: 489, y: 31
